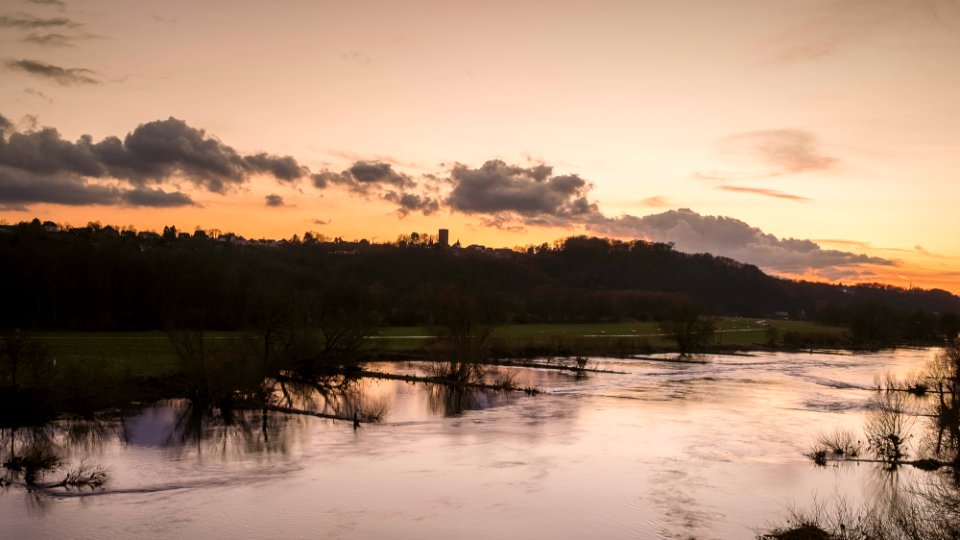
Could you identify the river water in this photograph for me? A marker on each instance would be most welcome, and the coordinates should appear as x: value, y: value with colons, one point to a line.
x: 710, y: 450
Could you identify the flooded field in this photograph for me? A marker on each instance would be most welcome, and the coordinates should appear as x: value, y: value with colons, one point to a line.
x: 712, y: 450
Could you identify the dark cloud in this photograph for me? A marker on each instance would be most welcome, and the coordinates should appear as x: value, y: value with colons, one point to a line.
x: 765, y: 192
x: 62, y: 76
x: 729, y: 237
x: 25, y: 21
x: 323, y: 179
x: 363, y: 177
x: 18, y: 187
x: 412, y: 202
x: 321, y: 221
x: 44, y: 152
x: 784, y: 150
x: 155, y: 198
x: 365, y: 173
x: 274, y: 200
x: 151, y: 153
x: 528, y: 193
x: 163, y: 148
x: 281, y: 167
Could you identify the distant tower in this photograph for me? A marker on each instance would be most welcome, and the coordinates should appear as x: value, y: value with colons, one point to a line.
x: 444, y: 237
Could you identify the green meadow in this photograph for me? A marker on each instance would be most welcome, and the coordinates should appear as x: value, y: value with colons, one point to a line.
x: 151, y: 353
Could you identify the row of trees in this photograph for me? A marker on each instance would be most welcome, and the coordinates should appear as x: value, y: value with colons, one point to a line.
x: 62, y: 280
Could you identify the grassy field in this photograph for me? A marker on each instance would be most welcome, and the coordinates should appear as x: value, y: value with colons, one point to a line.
x: 151, y: 353
x: 733, y: 331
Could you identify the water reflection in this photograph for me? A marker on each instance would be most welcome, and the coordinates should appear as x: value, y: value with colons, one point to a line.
x: 707, y: 450
x: 915, y: 493
x: 38, y: 458
x: 455, y: 400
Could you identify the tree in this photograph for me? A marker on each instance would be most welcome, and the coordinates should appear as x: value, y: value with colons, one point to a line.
x: 950, y: 325
x: 463, y: 339
x: 685, y: 324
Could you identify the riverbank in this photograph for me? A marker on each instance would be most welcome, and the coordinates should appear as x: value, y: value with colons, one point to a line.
x: 147, y: 354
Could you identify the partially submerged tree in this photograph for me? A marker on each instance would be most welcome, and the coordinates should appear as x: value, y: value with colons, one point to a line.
x: 686, y: 324
x: 927, y: 508
x: 462, y: 345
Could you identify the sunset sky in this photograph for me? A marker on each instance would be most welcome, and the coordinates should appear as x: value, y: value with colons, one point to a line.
x: 813, y: 138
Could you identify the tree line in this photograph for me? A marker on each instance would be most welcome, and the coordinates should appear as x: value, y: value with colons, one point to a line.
x: 104, y: 278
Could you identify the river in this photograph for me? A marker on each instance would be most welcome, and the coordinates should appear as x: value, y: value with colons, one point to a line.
x: 712, y: 450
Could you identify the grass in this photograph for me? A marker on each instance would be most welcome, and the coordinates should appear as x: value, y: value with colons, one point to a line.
x: 136, y: 353
x: 150, y: 353
x: 734, y: 331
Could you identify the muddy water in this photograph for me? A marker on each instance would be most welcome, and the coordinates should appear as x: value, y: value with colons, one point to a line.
x: 661, y: 450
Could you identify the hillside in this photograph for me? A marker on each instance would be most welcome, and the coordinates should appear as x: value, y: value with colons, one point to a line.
x: 94, y: 278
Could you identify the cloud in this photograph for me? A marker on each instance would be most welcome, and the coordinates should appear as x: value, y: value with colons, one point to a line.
x: 412, y: 202
x: 363, y: 177
x: 783, y: 150
x: 832, y: 26
x: 849, y: 243
x: 528, y: 194
x: 729, y: 237
x: 152, y: 153
x: 324, y: 178
x: 59, y: 4
x: 656, y: 202
x: 321, y: 221
x: 63, y: 76
x: 274, y: 200
x: 38, y: 94
x: 281, y: 167
x: 765, y: 192
x: 56, y: 39
x: 366, y: 172
x: 155, y: 198
x: 25, y: 21
x: 18, y: 187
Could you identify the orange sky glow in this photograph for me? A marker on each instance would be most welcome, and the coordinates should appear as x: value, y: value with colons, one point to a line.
x: 815, y: 139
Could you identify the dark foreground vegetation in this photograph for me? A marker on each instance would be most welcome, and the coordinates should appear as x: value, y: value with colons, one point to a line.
x: 911, y: 423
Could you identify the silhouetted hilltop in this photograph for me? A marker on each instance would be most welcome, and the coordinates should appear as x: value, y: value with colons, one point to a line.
x: 103, y: 278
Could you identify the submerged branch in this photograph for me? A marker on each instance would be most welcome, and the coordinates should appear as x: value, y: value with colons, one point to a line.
x: 447, y: 382
x: 364, y: 418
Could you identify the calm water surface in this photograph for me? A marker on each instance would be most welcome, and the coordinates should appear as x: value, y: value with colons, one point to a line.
x: 666, y: 450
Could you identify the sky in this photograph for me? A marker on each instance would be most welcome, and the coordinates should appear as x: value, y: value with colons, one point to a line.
x: 816, y: 139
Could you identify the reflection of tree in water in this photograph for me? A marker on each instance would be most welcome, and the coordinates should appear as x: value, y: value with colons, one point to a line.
x: 924, y: 505
x: 36, y: 457
x: 226, y: 431
x: 453, y: 400
x: 265, y: 424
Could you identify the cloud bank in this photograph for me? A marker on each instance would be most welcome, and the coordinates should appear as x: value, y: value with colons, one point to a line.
x: 40, y: 166
x: 529, y: 194
x: 729, y: 237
